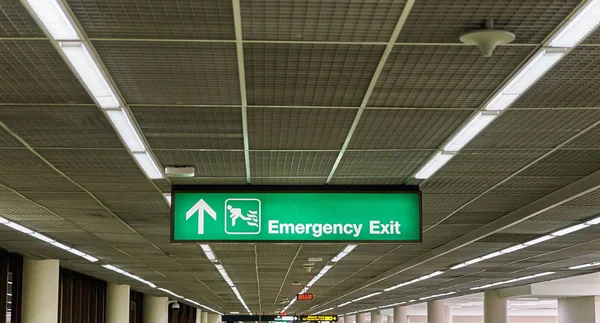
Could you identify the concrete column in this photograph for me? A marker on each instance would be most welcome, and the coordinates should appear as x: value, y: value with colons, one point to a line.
x: 204, y: 317
x: 585, y: 309
x: 447, y: 314
x: 435, y: 311
x: 156, y: 309
x: 495, y: 309
x: 361, y: 318
x: 117, y: 303
x: 390, y: 319
x: 214, y: 318
x: 40, y: 291
x: 376, y: 317
x: 198, y: 315
x: 350, y: 319
x: 400, y: 315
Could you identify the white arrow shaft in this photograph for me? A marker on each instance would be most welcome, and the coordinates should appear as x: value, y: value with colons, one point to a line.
x: 201, y: 221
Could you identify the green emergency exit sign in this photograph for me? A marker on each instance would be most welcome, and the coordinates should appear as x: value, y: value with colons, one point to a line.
x: 202, y: 214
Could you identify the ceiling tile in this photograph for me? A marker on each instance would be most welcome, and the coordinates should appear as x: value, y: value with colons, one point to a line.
x: 309, y: 74
x: 342, y: 20
x: 432, y: 21
x: 173, y: 73
x: 34, y: 72
x: 207, y: 163
x: 290, y: 128
x: 291, y: 164
x: 15, y: 21
x: 381, y: 163
x: 146, y: 19
x: 191, y: 128
x: 443, y: 76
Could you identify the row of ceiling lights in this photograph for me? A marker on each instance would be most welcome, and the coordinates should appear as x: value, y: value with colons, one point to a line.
x: 505, y: 251
x: 61, y: 28
x: 572, y: 33
x: 321, y: 273
x: 46, y: 239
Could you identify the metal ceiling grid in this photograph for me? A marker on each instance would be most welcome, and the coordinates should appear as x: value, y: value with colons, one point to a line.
x: 190, y: 127
x: 44, y: 183
x: 336, y: 21
x: 114, y: 184
x: 566, y: 163
x: 289, y: 181
x: 381, y: 163
x: 8, y: 141
x: 182, y: 19
x: 522, y: 129
x: 134, y: 202
x: 460, y: 184
x: 473, y: 217
x: 570, y: 84
x: 15, y: 21
x: 33, y: 72
x: 92, y: 163
x: 207, y: 163
x: 291, y: 163
x: 498, y: 162
x: 433, y: 22
x: 587, y: 140
x: 443, y: 76
x: 28, y: 165
x: 298, y: 128
x: 365, y: 180
x: 309, y: 74
x: 405, y: 129
x: 172, y: 73
x: 60, y: 126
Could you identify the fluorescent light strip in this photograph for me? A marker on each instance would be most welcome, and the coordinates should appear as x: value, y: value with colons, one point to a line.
x: 123, y: 272
x: 579, y: 26
x: 126, y: 130
x: 167, y: 197
x: 436, y: 295
x: 477, y: 123
x: 392, y: 305
x: 54, y: 19
x: 148, y: 165
x: 170, y: 292
x: 323, y: 271
x: 530, y: 73
x: 514, y: 280
x: 325, y: 310
x: 206, y: 307
x: 434, y: 164
x: 82, y: 61
x: 553, y: 235
x: 344, y: 304
x: 591, y: 264
x: 366, y: 296
x: 422, y: 278
x: 46, y: 239
x: 211, y: 256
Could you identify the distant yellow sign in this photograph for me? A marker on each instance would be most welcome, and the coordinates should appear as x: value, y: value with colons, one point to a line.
x: 311, y: 318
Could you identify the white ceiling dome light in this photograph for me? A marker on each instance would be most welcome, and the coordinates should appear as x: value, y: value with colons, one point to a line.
x: 488, y: 39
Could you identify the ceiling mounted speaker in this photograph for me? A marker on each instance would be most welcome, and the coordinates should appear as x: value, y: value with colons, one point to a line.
x: 487, y: 39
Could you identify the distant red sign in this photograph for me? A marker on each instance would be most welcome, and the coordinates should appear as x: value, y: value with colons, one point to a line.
x: 305, y: 297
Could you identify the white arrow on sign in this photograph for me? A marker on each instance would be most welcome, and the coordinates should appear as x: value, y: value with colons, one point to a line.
x: 201, y: 207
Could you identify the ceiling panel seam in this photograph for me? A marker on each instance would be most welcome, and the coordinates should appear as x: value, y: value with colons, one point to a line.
x: 388, y: 49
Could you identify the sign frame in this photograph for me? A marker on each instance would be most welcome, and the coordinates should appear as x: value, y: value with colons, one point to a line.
x: 363, y: 189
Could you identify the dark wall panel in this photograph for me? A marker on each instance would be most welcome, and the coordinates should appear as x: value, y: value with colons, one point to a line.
x: 187, y: 314
x: 82, y: 298
x: 136, y: 300
x: 11, y: 277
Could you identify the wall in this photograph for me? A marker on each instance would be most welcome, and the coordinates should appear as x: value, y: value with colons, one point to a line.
x: 82, y: 299
x: 10, y: 264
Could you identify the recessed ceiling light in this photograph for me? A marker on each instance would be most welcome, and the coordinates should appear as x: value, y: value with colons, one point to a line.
x: 315, y: 259
x: 296, y: 283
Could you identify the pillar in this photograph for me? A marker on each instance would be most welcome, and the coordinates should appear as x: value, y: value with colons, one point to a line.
x: 361, y: 318
x: 447, y: 314
x: 390, y: 319
x: 376, y: 317
x: 350, y: 319
x: 198, y: 315
x: 435, y: 311
x: 117, y: 303
x: 204, y: 317
x: 156, y: 309
x: 213, y: 318
x: 400, y: 315
x: 495, y: 309
x: 583, y: 309
x: 40, y: 291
